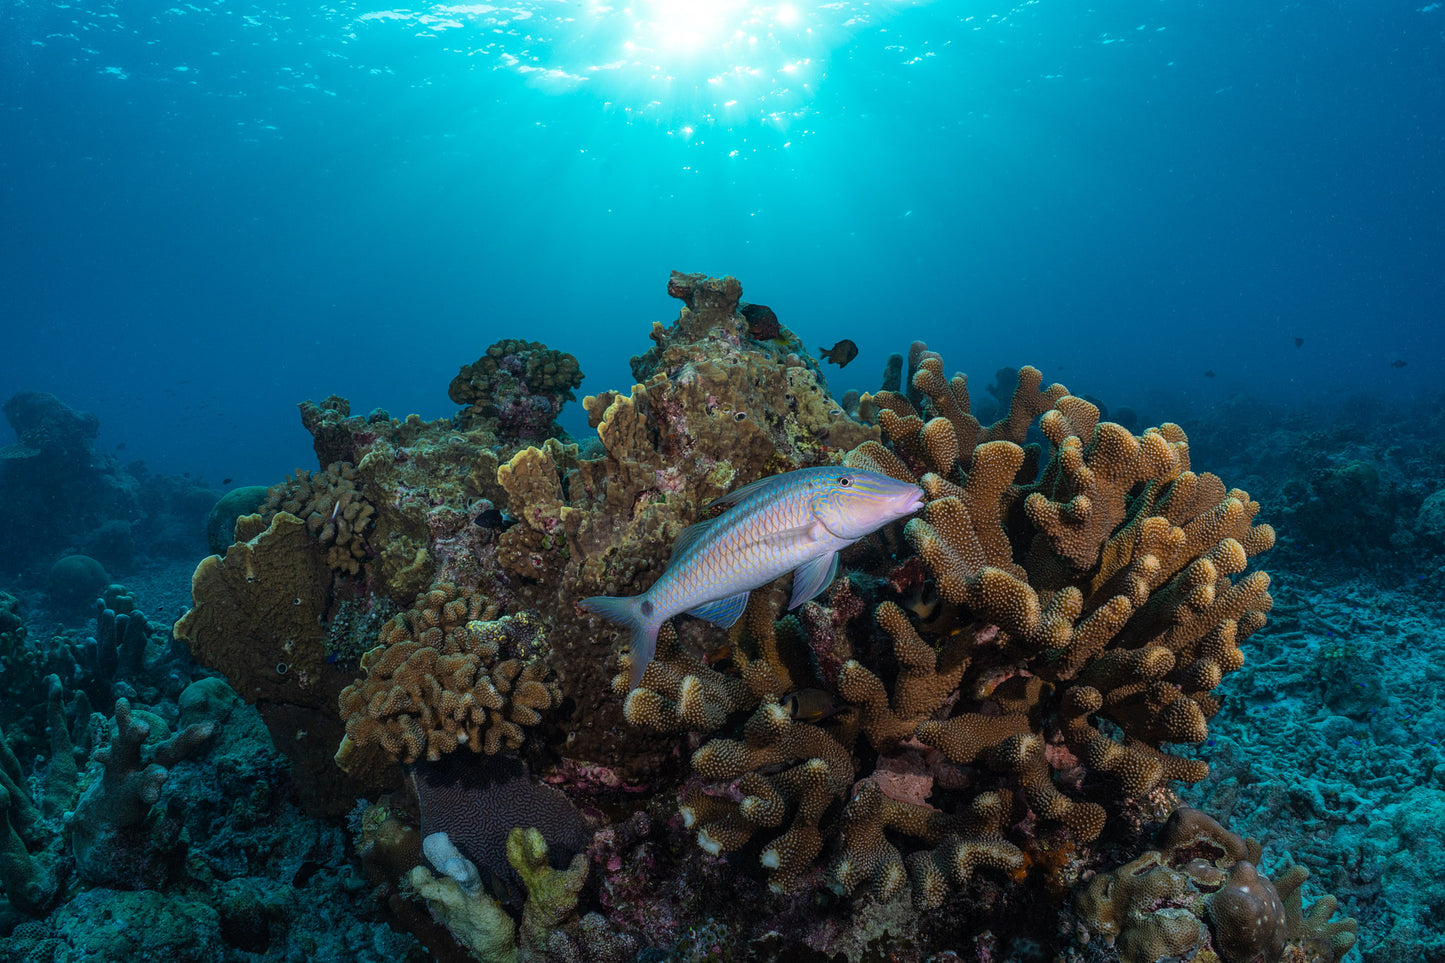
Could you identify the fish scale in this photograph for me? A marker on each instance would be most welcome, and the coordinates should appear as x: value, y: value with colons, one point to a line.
x: 797, y: 522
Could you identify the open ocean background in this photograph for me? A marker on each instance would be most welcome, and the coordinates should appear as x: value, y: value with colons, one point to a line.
x: 211, y: 212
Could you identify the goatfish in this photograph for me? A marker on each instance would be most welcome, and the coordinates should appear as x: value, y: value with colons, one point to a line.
x: 794, y: 522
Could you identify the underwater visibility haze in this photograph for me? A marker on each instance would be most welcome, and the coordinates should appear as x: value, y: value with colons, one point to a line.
x: 359, y: 359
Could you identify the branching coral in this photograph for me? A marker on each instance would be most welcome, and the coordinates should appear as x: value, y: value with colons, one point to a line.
x: 134, y: 765
x: 1093, y: 598
x: 30, y: 839
x: 446, y: 674
x: 1109, y: 579
x: 331, y: 504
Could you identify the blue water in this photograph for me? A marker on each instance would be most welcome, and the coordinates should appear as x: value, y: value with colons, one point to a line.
x: 211, y: 212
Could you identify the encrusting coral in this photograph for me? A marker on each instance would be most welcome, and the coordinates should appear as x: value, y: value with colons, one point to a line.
x: 1198, y: 890
x: 445, y: 674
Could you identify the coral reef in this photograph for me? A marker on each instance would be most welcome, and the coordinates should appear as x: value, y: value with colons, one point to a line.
x: 446, y: 674
x: 64, y: 496
x: 986, y: 702
x: 1091, y: 598
x: 711, y: 412
x: 517, y: 389
x: 1199, y: 890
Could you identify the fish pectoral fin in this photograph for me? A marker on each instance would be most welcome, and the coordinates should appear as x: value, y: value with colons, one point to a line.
x: 791, y: 538
x: 723, y: 612
x: 814, y: 575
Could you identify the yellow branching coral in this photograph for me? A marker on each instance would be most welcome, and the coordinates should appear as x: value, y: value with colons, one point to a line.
x: 445, y: 674
x: 788, y: 772
x: 1109, y: 579
x: 331, y: 504
x: 1086, y: 612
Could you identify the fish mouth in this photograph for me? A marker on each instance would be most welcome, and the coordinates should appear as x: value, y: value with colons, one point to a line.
x: 913, y: 502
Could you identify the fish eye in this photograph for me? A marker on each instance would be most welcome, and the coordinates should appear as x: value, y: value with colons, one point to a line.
x: 845, y: 481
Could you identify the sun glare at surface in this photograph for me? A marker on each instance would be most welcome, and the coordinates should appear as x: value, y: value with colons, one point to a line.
x: 699, y: 63
x: 678, y: 27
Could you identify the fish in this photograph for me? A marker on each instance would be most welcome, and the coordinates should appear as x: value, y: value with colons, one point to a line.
x: 840, y: 354
x: 227, y: 481
x: 762, y: 322
x: 1209, y: 373
x: 794, y: 522
x: 494, y: 518
x: 1398, y: 363
x: 1299, y: 342
x: 810, y: 705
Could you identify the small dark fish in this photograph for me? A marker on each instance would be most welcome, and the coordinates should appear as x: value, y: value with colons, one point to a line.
x: 762, y: 322
x: 841, y: 353
x: 810, y: 705
x: 494, y: 518
x: 120, y: 447
x: 1299, y: 342
x: 227, y: 481
x: 1398, y: 363
x: 1209, y: 373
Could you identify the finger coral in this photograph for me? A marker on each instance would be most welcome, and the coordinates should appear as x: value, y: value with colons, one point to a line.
x: 447, y: 673
x: 332, y: 506
x: 1090, y: 599
x: 1109, y: 579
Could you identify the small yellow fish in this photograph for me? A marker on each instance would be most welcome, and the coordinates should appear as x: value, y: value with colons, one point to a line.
x: 840, y: 354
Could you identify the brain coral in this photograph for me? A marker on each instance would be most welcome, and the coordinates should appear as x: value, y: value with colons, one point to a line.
x: 446, y: 673
x: 76, y: 581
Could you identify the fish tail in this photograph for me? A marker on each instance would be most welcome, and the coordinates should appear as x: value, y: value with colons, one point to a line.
x: 627, y: 612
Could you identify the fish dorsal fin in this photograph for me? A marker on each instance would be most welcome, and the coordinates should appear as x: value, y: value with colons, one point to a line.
x: 691, y: 535
x: 814, y: 575
x: 723, y: 612
x: 762, y: 484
